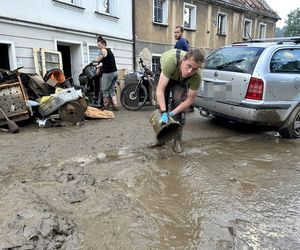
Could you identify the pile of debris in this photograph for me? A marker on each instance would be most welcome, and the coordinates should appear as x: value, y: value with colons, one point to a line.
x: 52, y: 100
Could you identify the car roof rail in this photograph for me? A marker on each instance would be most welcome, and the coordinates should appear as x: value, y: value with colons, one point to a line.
x: 240, y: 42
x: 278, y: 40
x: 292, y: 39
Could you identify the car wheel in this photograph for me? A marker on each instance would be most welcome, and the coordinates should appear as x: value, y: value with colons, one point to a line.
x: 291, y: 128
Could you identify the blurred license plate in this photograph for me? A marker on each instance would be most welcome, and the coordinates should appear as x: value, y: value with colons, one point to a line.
x: 215, y: 90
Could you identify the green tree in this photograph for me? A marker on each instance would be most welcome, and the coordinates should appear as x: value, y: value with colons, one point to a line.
x: 293, y: 23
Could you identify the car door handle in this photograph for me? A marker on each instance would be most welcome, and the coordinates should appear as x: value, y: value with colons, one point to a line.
x: 297, y: 82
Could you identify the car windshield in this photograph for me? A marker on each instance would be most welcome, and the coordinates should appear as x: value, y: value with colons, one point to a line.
x: 236, y: 59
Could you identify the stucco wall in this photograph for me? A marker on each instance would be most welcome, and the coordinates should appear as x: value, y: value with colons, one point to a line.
x: 159, y: 38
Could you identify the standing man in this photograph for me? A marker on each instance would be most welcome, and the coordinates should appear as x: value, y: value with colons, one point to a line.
x: 180, y: 76
x: 181, y: 43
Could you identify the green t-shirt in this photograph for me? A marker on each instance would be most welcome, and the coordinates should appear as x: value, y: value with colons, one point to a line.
x: 171, y: 70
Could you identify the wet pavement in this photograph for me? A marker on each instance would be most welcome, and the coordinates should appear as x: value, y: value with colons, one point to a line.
x: 233, y: 187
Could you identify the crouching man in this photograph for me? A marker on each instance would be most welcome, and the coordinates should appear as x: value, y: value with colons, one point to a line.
x: 181, y: 77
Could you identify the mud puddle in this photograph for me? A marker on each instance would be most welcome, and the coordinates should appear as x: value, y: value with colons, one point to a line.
x: 229, y: 193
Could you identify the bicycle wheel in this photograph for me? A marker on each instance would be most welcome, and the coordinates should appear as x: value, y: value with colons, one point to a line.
x: 134, y: 96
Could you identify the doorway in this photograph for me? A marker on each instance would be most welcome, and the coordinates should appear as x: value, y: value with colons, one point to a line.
x: 71, y: 59
x: 4, y: 58
x: 66, y: 59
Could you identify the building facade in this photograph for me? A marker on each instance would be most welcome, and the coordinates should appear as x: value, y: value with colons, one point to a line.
x: 208, y: 23
x: 33, y: 31
x: 40, y: 35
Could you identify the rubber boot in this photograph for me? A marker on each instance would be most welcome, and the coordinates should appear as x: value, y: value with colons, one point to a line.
x: 157, y: 144
x: 115, y: 103
x: 178, y: 142
x: 106, y: 103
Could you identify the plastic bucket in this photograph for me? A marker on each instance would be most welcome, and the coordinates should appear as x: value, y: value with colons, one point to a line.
x: 55, y: 75
x: 58, y: 76
x: 90, y: 71
x: 164, y: 132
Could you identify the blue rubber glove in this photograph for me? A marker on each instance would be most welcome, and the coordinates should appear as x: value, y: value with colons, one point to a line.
x: 171, y: 114
x: 164, y: 119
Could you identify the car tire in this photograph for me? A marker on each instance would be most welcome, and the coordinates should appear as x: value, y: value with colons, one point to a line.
x: 291, y: 128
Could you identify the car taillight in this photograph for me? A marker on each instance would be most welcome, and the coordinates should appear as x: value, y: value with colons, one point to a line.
x: 255, y: 89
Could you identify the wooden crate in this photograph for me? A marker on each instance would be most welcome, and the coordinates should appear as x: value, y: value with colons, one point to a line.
x: 13, y: 102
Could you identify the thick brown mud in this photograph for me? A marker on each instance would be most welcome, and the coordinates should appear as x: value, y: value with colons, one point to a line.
x: 99, y: 186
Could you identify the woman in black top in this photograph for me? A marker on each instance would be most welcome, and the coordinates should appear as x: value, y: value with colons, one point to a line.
x: 109, y: 76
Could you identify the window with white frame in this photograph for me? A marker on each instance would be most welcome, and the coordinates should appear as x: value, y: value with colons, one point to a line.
x: 75, y: 2
x: 45, y: 59
x: 93, y: 52
x: 69, y: 4
x: 189, y: 16
x: 262, y: 30
x: 107, y: 7
x: 160, y: 11
x: 67, y: 1
x: 247, y: 28
x: 222, y: 23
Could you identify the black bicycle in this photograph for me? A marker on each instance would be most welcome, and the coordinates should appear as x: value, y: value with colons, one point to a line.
x: 139, y: 88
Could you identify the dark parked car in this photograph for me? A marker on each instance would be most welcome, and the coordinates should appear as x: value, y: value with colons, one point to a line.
x: 255, y: 82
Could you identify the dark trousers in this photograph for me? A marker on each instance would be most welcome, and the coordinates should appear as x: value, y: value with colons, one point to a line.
x: 175, y: 93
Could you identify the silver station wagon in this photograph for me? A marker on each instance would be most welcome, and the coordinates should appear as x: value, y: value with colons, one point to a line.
x: 255, y: 82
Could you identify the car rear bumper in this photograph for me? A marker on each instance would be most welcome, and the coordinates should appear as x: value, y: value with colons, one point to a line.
x: 255, y: 113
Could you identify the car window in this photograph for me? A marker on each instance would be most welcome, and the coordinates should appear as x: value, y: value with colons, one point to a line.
x: 286, y: 60
x: 236, y: 59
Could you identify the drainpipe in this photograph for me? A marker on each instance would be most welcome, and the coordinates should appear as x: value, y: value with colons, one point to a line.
x: 133, y: 33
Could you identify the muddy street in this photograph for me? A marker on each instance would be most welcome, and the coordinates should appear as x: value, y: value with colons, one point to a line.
x: 99, y: 186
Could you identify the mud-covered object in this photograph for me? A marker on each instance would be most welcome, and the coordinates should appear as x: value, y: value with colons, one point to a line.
x: 164, y: 132
x: 39, y: 87
x: 59, y: 99
x: 75, y: 195
x: 7, y: 76
x: 72, y: 112
x: 95, y: 113
x: 90, y: 71
x: 12, y: 126
x: 13, y: 102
